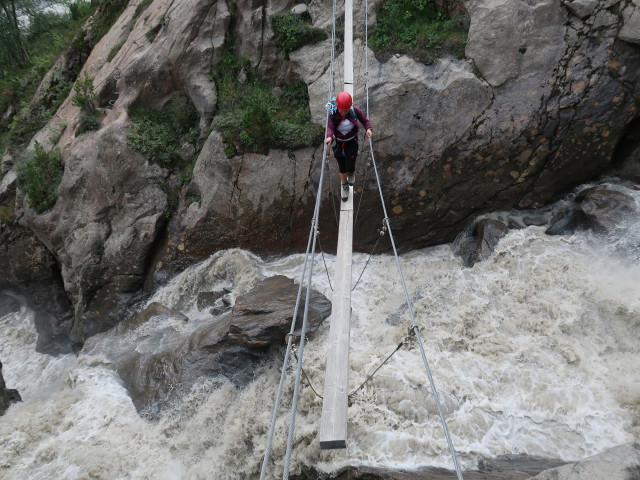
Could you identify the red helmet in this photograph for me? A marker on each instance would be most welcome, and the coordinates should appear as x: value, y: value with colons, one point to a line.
x: 344, y: 101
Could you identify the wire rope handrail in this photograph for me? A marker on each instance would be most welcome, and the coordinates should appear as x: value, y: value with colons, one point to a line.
x: 313, y: 236
x: 313, y: 239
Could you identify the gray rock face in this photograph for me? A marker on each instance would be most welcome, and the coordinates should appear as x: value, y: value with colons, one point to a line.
x: 547, y: 96
x: 514, y: 39
x: 30, y: 270
x: 159, y: 362
x: 630, y: 31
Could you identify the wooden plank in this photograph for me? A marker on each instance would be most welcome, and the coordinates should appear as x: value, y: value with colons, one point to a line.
x: 348, y: 46
x: 333, y: 426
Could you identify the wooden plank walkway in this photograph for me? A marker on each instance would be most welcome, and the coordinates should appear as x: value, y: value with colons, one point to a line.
x: 333, y: 426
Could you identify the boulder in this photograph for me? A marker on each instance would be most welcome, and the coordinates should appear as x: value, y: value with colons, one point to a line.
x: 159, y: 360
x: 262, y: 317
x: 8, y: 396
x: 480, y: 242
x: 596, y: 208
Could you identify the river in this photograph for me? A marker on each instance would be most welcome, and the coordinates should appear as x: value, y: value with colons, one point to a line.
x: 533, y: 351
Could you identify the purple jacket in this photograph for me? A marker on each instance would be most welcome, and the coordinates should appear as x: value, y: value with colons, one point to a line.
x: 335, y: 119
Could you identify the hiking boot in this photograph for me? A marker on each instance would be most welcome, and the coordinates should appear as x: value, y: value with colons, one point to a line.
x: 351, y: 178
x: 345, y: 191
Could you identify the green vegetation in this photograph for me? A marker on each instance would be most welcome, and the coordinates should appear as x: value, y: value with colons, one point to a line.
x: 255, y: 115
x: 294, y: 31
x: 39, y: 177
x: 110, y: 11
x: 142, y: 6
x: 114, y: 51
x: 417, y: 28
x: 160, y: 134
x: 26, y: 56
x: 85, y: 99
x: 7, y: 212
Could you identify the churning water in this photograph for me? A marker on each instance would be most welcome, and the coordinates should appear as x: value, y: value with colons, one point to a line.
x: 533, y: 351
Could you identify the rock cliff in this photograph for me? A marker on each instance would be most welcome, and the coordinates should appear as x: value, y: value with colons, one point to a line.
x: 546, y: 98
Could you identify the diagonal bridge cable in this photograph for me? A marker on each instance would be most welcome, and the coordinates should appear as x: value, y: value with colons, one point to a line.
x: 308, y: 264
x: 404, y: 283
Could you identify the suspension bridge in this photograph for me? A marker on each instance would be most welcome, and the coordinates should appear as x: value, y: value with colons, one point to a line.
x: 335, y: 400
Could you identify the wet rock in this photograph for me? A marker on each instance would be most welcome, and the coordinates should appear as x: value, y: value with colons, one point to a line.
x: 31, y: 271
x: 208, y: 299
x: 263, y: 316
x: 504, y: 467
x: 154, y: 310
x: 8, y: 304
x: 158, y: 360
x: 481, y: 241
x: 597, y: 208
x: 618, y: 463
x: 8, y: 396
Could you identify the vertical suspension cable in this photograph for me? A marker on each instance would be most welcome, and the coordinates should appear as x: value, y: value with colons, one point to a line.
x: 395, y: 252
x: 366, y: 55
x: 310, y: 245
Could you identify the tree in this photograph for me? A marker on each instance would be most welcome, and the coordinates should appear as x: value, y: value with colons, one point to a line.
x: 11, y: 35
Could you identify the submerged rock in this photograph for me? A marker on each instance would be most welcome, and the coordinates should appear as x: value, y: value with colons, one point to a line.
x: 599, y: 209
x: 618, y: 463
x: 481, y: 241
x: 8, y: 396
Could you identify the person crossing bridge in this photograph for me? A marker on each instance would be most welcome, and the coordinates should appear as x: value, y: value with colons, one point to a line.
x: 342, y: 125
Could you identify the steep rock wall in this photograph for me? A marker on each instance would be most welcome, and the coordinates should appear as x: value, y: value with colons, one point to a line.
x: 547, y: 92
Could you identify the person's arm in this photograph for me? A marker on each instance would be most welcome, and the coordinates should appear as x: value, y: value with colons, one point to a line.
x: 364, y: 120
x: 329, y: 138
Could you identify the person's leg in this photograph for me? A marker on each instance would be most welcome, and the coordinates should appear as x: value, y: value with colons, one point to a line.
x: 340, y: 156
x: 351, y: 151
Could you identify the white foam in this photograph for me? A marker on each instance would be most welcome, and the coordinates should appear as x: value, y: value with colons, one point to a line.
x: 533, y: 351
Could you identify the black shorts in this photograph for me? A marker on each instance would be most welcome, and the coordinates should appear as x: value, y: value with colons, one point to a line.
x: 346, y: 154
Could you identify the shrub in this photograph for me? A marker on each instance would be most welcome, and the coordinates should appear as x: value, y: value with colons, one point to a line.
x: 26, y: 123
x: 85, y: 99
x: 293, y: 31
x: 114, y: 51
x: 159, y: 134
x: 47, y: 33
x: 417, y: 27
x: 84, y: 96
x: 7, y: 212
x: 79, y: 10
x: 39, y: 177
x: 255, y: 116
